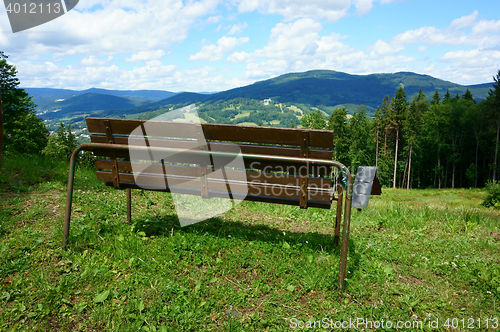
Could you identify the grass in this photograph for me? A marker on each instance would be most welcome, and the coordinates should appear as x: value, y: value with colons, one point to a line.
x: 418, y: 255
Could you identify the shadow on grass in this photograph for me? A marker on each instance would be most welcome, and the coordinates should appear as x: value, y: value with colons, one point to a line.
x: 217, y: 227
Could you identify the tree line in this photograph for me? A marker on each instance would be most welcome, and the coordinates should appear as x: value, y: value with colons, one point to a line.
x: 441, y: 142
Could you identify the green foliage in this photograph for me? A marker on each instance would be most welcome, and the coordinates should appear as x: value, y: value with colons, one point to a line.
x: 87, y: 159
x: 21, y: 172
x: 361, y: 147
x: 339, y: 124
x: 60, y: 144
x: 313, y: 120
x: 493, y: 198
x: 23, y: 131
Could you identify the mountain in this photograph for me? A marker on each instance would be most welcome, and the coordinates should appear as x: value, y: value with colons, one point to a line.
x: 313, y: 88
x: 54, y: 104
x: 331, y: 88
x: 153, y: 95
x: 85, y: 104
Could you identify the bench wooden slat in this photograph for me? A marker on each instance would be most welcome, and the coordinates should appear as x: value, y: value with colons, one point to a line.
x: 220, y: 147
x: 257, y: 189
x: 272, y: 178
x: 267, y: 166
x: 265, y: 199
x: 218, y: 132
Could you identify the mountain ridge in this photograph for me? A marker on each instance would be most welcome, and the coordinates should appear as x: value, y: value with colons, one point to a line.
x: 315, y: 88
x: 331, y: 88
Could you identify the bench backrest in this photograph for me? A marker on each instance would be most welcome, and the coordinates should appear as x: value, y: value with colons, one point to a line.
x: 268, y: 180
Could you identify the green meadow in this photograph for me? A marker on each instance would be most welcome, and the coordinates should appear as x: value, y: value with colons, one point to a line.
x: 416, y: 257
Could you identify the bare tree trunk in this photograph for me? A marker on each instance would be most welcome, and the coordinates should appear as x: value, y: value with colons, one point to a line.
x: 395, y: 159
x: 385, y: 141
x: 376, y: 152
x: 496, y: 150
x: 453, y: 175
x: 477, y: 151
x: 446, y: 175
x: 1, y: 130
x: 404, y: 175
x: 409, y: 170
x: 440, y: 178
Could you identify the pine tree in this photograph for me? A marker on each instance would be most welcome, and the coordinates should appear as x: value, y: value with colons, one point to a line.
x: 493, y: 101
x: 339, y: 124
x: 21, y: 131
x: 447, y: 96
x: 468, y: 95
x: 313, y: 120
x: 59, y: 145
x: 399, y: 113
x: 413, y: 128
x: 436, y: 99
x: 361, y: 146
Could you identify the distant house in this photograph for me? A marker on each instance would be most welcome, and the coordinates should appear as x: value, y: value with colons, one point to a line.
x: 267, y: 101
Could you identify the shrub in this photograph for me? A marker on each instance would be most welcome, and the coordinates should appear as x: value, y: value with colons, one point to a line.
x: 493, y: 198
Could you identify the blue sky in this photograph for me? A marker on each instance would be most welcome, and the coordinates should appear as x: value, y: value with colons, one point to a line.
x: 214, y: 45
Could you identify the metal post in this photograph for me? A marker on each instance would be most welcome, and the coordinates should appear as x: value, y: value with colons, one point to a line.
x: 69, y: 197
x: 129, y: 206
x: 338, y: 218
x: 345, y: 233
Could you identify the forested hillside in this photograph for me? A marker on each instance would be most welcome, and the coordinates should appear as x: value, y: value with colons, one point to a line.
x: 332, y: 88
x: 428, y: 141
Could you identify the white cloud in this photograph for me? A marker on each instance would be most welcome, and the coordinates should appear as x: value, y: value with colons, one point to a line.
x: 289, y: 38
x: 298, y: 46
x: 473, y: 58
x: 93, y: 61
x: 363, y: 7
x: 239, y: 57
x: 237, y: 28
x: 111, y: 28
x: 484, y: 26
x: 454, y: 35
x: 381, y: 48
x: 464, y: 21
x: 216, y: 52
x: 213, y: 19
x: 331, y: 10
x: 145, y: 56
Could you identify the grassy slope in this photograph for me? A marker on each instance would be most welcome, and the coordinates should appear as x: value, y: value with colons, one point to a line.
x: 413, y: 255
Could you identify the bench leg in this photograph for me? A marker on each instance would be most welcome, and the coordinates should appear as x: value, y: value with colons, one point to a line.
x: 339, y: 215
x: 345, y: 242
x: 129, y: 206
x: 69, y: 196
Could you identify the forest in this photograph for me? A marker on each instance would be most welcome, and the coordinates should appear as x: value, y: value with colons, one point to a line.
x: 436, y: 142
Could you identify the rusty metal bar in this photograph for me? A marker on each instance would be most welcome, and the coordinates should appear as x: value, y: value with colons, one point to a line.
x: 338, y: 217
x: 115, y: 147
x: 345, y: 232
x: 69, y: 197
x: 304, y: 196
x: 129, y: 206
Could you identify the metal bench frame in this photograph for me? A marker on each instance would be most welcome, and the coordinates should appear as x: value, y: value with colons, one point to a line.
x: 347, y: 186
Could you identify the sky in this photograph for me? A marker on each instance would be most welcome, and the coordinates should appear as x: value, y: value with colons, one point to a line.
x: 215, y: 45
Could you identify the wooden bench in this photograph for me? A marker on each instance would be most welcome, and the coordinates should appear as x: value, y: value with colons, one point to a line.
x: 281, y: 165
